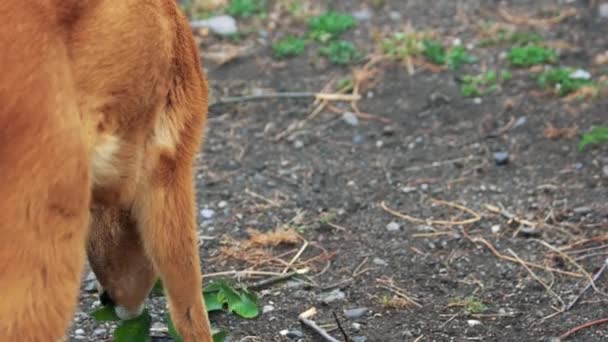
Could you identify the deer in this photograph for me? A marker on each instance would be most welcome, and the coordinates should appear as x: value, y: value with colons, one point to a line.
x: 103, y: 109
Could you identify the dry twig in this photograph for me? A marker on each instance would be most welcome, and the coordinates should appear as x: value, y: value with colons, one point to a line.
x: 535, y: 22
x: 304, y: 317
x: 540, y: 281
x: 389, y: 284
x: 530, y: 264
x: 476, y: 217
x: 581, y: 327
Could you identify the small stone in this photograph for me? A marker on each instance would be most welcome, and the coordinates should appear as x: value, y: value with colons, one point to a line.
x: 408, y: 189
x: 99, y: 332
x: 363, y: 14
x: 582, y: 210
x: 605, y: 170
x: 603, y: 10
x: 395, y: 16
x: 79, y: 332
x: 350, y: 118
x: 222, y: 204
x: 477, y: 100
x: 580, y: 74
x: 388, y: 130
x: 295, y: 334
x: 501, y: 158
x: 224, y: 25
x: 379, y: 143
x: 359, y: 339
x: 207, y: 213
x: 473, y: 322
x: 358, y: 139
x: 355, y: 313
x: 267, y: 308
x: 419, y: 140
x: 457, y: 42
x: 333, y: 296
x: 356, y: 326
x: 520, y: 121
x: 393, y: 226
x: 495, y: 228
x: 380, y: 262
x: 298, y: 144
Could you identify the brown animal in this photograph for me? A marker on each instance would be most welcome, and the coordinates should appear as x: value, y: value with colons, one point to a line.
x: 103, y: 105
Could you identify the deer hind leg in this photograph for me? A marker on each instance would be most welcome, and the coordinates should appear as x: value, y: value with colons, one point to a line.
x: 117, y: 256
x: 165, y: 215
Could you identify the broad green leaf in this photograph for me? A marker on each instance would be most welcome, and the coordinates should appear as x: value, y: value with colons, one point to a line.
x: 134, y: 330
x: 219, y: 336
x: 212, y: 303
x: 247, y: 307
x: 215, y: 286
x: 595, y: 136
x: 105, y: 314
x: 243, y: 304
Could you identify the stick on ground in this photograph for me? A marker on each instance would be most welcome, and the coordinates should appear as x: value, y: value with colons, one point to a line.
x: 304, y: 317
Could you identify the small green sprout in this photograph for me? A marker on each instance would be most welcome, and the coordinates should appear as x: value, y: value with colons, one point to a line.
x: 531, y: 55
x: 340, y: 52
x: 289, y: 47
x: 595, y: 136
x: 330, y: 25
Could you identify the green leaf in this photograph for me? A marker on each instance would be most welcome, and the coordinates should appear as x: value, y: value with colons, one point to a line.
x: 434, y: 51
x: 595, y: 136
x: 340, y: 52
x: 212, y: 302
x: 330, y: 25
x: 531, y: 55
x: 459, y: 56
x: 219, y: 336
x: 289, y: 46
x: 105, y: 314
x: 134, y: 330
x: 243, y: 304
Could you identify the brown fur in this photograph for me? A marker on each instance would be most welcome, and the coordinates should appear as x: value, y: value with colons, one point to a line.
x: 103, y: 107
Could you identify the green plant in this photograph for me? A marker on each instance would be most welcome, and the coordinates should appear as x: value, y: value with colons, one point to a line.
x: 562, y: 81
x: 595, y: 136
x: 340, y: 52
x: 245, y: 8
x: 400, y: 45
x: 330, y: 25
x: 289, y: 47
x: 459, y: 56
x: 434, y: 51
x: 523, y: 38
x: 530, y: 55
x: 517, y: 38
x: 345, y: 84
x: 470, y: 304
x: 454, y: 58
x: 217, y: 295
x: 481, y: 84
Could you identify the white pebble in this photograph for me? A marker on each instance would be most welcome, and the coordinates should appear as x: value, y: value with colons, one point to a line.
x: 580, y: 74
x: 207, y: 213
x: 350, y: 118
x: 393, y: 226
x: 473, y: 322
x: 495, y: 228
